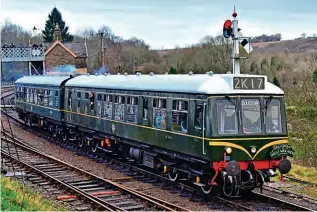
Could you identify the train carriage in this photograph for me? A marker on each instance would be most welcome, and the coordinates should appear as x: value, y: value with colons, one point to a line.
x: 38, y: 99
x: 187, y: 125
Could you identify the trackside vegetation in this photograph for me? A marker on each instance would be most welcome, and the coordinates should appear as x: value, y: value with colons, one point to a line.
x: 16, y: 197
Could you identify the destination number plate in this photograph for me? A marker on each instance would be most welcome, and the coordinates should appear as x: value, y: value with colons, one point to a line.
x: 248, y: 83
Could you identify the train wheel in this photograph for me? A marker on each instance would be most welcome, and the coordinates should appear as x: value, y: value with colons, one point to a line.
x: 172, y: 175
x: 81, y: 142
x: 206, y: 189
x: 65, y: 137
x: 55, y: 132
x: 94, y: 146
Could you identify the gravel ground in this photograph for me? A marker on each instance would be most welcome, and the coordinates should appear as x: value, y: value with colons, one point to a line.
x: 296, y: 199
x: 102, y: 170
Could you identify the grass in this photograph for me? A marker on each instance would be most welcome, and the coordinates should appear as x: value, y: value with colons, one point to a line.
x: 12, y: 199
x: 303, y: 173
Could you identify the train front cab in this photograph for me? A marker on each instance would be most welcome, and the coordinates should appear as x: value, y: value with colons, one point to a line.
x: 248, y: 142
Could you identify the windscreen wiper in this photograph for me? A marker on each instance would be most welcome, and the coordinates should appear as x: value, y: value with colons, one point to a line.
x: 267, y: 103
x: 231, y: 101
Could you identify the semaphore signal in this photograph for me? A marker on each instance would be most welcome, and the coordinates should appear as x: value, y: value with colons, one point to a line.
x: 230, y: 29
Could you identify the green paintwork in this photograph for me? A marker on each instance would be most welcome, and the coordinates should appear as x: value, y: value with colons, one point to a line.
x: 177, y: 142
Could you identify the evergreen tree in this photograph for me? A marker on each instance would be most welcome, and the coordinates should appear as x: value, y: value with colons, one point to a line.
x: 172, y: 70
x: 55, y: 17
x: 315, y: 75
x: 276, y: 82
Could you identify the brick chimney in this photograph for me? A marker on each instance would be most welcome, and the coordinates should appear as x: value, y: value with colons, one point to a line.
x: 57, y: 33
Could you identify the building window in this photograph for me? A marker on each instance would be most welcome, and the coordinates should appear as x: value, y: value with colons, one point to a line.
x: 107, y: 106
x: 132, y: 109
x: 180, y: 116
x: 119, y: 108
x: 159, y: 113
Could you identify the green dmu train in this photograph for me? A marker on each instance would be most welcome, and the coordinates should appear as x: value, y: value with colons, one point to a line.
x: 225, y: 131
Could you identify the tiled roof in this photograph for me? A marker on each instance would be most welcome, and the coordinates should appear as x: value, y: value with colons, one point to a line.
x: 78, y: 49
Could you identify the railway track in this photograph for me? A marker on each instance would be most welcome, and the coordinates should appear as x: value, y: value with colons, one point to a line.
x: 256, y: 201
x: 100, y: 193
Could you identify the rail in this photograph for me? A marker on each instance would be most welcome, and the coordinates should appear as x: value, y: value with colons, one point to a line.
x: 244, y: 204
x: 102, y: 187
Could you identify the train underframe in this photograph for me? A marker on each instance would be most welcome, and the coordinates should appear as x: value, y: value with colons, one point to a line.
x: 229, y: 177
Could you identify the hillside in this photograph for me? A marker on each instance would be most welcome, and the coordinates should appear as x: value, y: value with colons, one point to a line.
x: 287, y: 46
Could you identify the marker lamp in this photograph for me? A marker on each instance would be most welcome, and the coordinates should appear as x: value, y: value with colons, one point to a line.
x: 228, y: 150
x: 253, y: 150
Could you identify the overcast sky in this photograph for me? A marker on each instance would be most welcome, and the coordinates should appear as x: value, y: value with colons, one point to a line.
x: 167, y: 23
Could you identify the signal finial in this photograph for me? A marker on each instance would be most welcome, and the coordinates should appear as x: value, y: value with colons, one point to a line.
x: 234, y: 14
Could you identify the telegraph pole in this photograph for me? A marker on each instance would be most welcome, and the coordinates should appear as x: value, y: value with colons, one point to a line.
x: 102, y: 50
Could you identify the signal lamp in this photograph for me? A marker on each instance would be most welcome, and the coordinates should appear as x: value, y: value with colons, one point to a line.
x: 227, y: 30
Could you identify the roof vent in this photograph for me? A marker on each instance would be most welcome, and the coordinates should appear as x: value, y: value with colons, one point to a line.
x: 138, y: 73
x: 210, y: 73
x: 190, y: 73
x: 207, y: 72
x: 125, y: 74
x: 166, y: 73
x: 88, y: 74
x: 228, y: 72
x: 96, y: 74
x: 151, y: 74
x: 118, y: 73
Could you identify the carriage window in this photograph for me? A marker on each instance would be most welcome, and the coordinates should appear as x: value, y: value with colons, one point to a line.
x: 35, y: 95
x: 227, y: 117
x: 179, y: 116
x: 145, y: 111
x: 119, y: 108
x: 199, y: 120
x: 50, y: 97
x: 31, y: 95
x: 107, y: 106
x: 28, y: 95
x: 273, y: 122
x: 56, y: 99
x: 17, y: 92
x: 132, y: 109
x: 78, y: 101
x: 86, y: 95
x: 69, y: 99
x: 99, y: 99
x: 91, y: 101
x: 40, y: 97
x: 45, y: 99
x: 251, y: 116
x: 159, y: 113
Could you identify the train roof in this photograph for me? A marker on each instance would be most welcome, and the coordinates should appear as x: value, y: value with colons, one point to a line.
x: 176, y: 83
x: 43, y: 80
